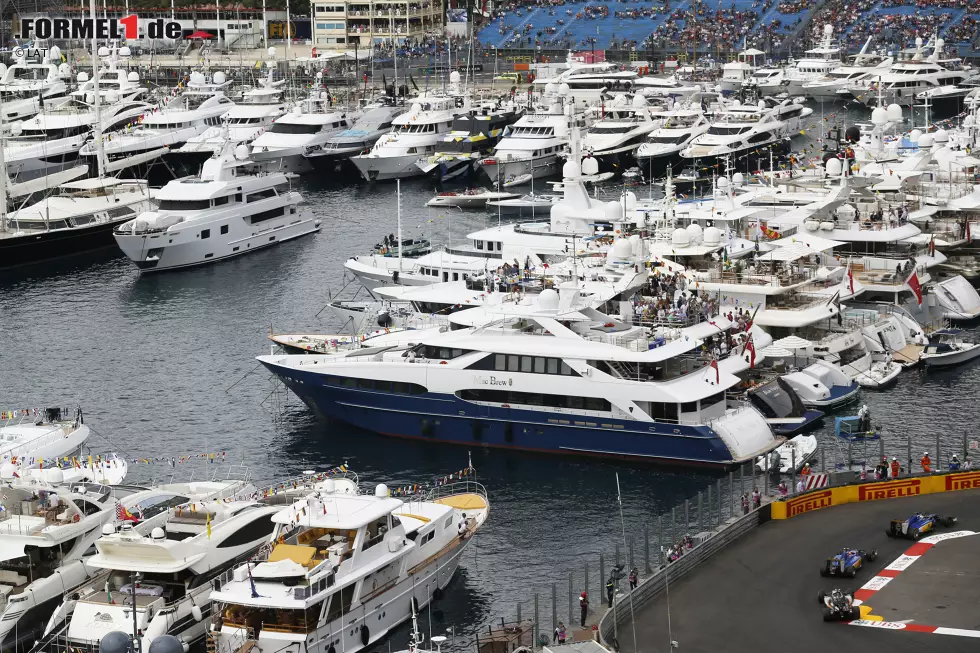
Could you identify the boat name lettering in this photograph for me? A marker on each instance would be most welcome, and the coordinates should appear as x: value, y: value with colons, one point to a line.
x: 493, y: 380
x: 892, y: 490
x: 814, y: 501
x: 962, y: 481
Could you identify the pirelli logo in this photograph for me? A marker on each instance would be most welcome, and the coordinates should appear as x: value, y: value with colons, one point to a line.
x: 892, y: 490
x: 813, y: 501
x: 963, y: 481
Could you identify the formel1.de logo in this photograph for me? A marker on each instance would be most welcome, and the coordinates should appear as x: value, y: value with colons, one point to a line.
x: 100, y: 28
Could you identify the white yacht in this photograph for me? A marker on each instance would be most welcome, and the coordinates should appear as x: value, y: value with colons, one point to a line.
x: 165, y: 575
x: 469, y: 139
x: 817, y: 63
x: 25, y: 88
x: 336, y: 151
x: 47, y: 548
x: 767, y: 81
x: 188, y: 112
x: 947, y: 348
x: 29, y: 436
x: 57, y: 133
x: 226, y: 212
x: 663, y: 146
x: 907, y: 78
x: 413, y: 135
x: 246, y: 121
x: 307, y: 126
x: 742, y: 129
x: 343, y: 570
x: 587, y: 82
x: 530, y: 147
x: 735, y: 73
x: 832, y: 87
x: 619, y: 129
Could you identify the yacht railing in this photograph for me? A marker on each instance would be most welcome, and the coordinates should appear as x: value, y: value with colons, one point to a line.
x: 465, y: 486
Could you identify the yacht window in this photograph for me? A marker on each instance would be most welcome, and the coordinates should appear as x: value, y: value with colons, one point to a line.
x: 218, y: 201
x: 720, y: 130
x: 375, y: 533
x: 292, y: 128
x: 565, y: 369
x: 479, y: 244
x: 537, y: 399
x: 448, y: 523
x: 455, y: 276
x: 689, y: 407
x: 340, y: 603
x: 500, y: 362
x: 258, y: 530
x: 261, y: 195
x: 119, y: 212
x: 539, y: 365
x: 87, y: 507
x: 224, y: 229
x: 205, y: 233
x: 262, y: 216
x: 552, y: 366
x: 513, y: 363
x: 527, y: 363
x: 184, y: 205
x: 663, y: 412
x: 713, y: 399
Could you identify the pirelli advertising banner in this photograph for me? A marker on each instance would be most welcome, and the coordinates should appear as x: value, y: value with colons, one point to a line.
x: 903, y: 487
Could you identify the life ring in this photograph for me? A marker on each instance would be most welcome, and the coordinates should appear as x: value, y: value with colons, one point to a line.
x: 365, y: 635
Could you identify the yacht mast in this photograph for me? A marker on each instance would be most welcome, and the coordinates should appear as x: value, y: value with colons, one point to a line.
x: 398, y: 200
x: 97, y: 124
x: 3, y: 181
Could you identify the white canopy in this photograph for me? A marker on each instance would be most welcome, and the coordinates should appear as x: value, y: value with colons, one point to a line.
x: 772, y: 351
x: 11, y: 550
x: 792, y: 343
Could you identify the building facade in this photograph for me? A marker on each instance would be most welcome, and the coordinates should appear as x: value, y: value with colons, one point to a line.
x: 346, y: 24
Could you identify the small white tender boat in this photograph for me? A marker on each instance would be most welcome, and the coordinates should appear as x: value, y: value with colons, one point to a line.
x: 781, y: 458
x: 880, y: 375
x: 471, y: 198
x: 947, y: 348
x: 517, y: 180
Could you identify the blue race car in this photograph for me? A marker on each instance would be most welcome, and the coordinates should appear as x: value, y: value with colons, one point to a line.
x: 847, y: 562
x: 918, y: 524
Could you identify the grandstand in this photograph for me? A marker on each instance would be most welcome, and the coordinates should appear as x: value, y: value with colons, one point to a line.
x: 768, y: 24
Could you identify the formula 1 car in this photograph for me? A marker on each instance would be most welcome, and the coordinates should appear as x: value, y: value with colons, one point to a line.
x: 917, y: 525
x: 838, y: 605
x: 847, y: 562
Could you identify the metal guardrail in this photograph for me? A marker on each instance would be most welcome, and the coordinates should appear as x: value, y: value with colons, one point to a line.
x: 656, y: 584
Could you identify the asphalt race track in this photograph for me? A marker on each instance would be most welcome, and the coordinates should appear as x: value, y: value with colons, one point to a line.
x: 760, y: 594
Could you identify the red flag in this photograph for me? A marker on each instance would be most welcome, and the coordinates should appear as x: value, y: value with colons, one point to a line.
x: 913, y: 283
x: 932, y: 247
x: 968, y: 237
x: 750, y: 346
x: 850, y: 277
x: 714, y: 364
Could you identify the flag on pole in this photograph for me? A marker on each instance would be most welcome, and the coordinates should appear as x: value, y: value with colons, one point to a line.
x: 714, y: 364
x: 913, y: 284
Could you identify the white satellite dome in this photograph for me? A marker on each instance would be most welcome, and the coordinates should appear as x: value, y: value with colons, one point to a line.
x: 550, y: 88
x: 879, y: 116
x: 103, y: 51
x: 158, y: 533
x: 197, y: 78
x: 64, y: 70
x: 548, y: 300
x: 570, y: 169
x: 680, y: 238
x: 381, y: 490
x: 82, y: 77
x: 969, y: 121
x: 112, y: 96
x: 613, y: 210
x: 241, y: 151
x: 133, y: 76
x: 738, y: 179
x: 124, y: 51
x: 630, y: 198
x: 915, y: 135
x: 416, y: 107
x: 564, y: 89
x: 17, y: 127
x: 894, y: 113
x: 737, y: 103
x: 695, y: 233
x: 108, y: 529
x: 722, y: 183
x: 712, y: 236
x: 590, y: 166
x: 54, y: 52
x: 761, y: 104
x: 454, y: 77
x: 54, y: 475
x: 640, y: 101
x: 220, y: 77
x: 834, y: 167
x: 7, y: 470
x: 926, y: 140
x: 329, y: 486
x: 271, y: 52
x: 939, y: 44
x: 622, y: 249
x: 941, y: 136
x: 298, y: 110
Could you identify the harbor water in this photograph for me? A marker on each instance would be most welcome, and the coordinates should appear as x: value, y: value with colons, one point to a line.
x: 163, y: 366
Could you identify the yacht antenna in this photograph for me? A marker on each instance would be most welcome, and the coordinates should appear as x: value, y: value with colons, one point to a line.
x: 3, y: 183
x: 622, y: 524
x: 97, y: 124
x: 398, y: 201
x: 394, y: 50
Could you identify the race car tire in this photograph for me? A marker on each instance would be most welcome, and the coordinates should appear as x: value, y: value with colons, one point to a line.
x: 855, y: 613
x: 821, y: 595
x: 947, y: 521
x: 872, y: 555
x: 850, y: 572
x: 827, y: 614
x: 914, y: 533
x: 890, y: 532
x: 824, y: 571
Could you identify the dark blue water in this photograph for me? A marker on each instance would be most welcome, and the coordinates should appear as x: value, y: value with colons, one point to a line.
x: 163, y: 365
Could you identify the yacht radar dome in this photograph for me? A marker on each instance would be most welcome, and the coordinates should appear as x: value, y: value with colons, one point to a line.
x: 116, y: 642
x: 590, y: 166
x: 712, y: 236
x: 124, y: 51
x: 108, y: 529
x: 738, y: 179
x: 927, y: 140
x: 271, y: 52
x: 614, y: 210
x: 894, y: 113
x: 166, y: 644
x: 158, y: 533
x: 630, y: 198
x: 381, y: 490
x: 133, y: 76
x: 916, y: 134
x: 220, y: 78
x: 695, y: 233
x: 548, y: 300
x: 564, y: 89
x: 103, y: 51
x: 550, y: 88
x: 941, y: 136
x: 570, y: 170
x: 680, y: 238
x: 54, y: 475
x: 454, y: 77
x: 241, y: 152
x: 879, y: 116
x: 82, y: 77
x: 834, y: 167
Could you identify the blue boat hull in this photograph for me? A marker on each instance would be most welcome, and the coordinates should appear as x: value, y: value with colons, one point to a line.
x: 811, y: 418
x: 446, y: 418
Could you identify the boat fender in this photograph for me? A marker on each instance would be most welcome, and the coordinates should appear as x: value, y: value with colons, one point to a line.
x: 332, y: 649
x: 427, y: 428
x: 437, y: 594
x: 365, y: 635
x: 196, y: 612
x: 394, y: 276
x: 415, y: 604
x: 384, y: 320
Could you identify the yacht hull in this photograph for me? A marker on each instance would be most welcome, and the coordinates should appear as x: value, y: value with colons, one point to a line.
x: 34, y: 248
x: 157, y: 252
x: 498, y: 169
x: 385, y: 168
x: 445, y: 418
x: 954, y: 358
